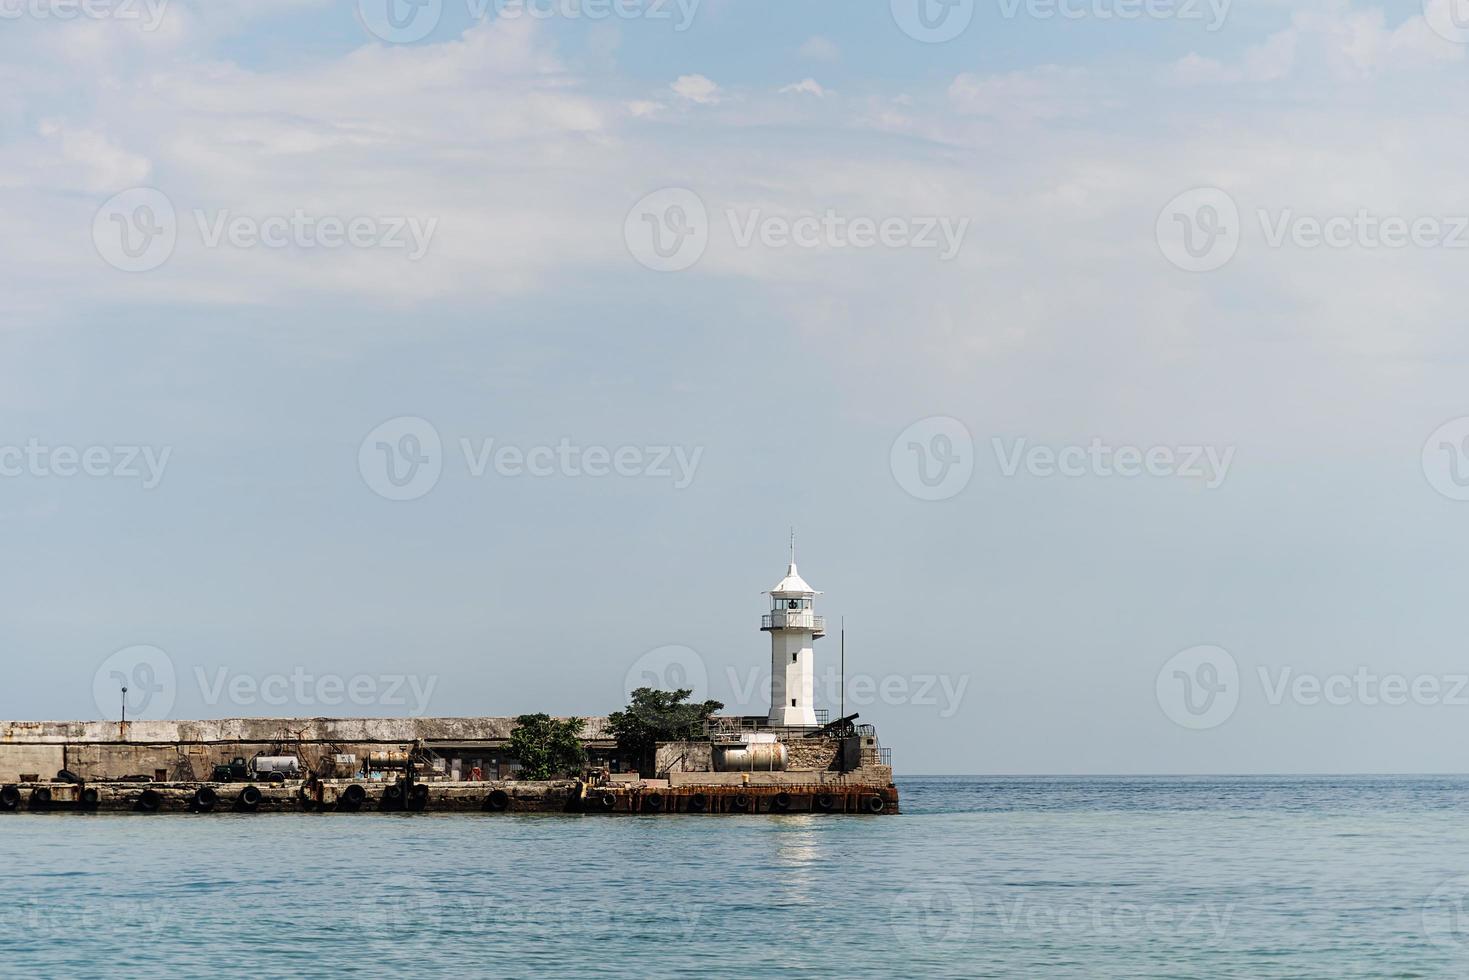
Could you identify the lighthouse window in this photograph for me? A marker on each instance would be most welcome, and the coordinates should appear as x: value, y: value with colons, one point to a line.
x: 793, y: 702
x: 794, y: 656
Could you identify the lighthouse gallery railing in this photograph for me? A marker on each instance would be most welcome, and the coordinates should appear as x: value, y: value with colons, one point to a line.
x: 796, y: 619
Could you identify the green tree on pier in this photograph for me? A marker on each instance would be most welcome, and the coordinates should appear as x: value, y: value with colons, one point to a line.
x: 655, y: 716
x: 546, y: 747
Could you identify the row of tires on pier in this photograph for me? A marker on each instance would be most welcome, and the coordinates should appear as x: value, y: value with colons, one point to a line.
x: 205, y: 799
x: 418, y: 797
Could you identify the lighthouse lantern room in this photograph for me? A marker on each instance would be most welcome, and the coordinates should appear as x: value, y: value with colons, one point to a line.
x: 793, y: 627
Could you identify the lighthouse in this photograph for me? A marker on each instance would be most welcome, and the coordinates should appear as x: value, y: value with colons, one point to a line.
x: 794, y: 628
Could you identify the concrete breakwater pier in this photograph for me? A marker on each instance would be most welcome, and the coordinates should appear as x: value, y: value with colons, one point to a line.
x: 658, y: 756
x: 461, y: 765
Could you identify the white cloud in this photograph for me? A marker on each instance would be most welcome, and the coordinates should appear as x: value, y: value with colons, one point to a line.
x: 1047, y: 92
x: 644, y: 108
x: 806, y: 86
x: 1268, y: 61
x: 819, y: 48
x: 696, y: 88
x: 1336, y: 42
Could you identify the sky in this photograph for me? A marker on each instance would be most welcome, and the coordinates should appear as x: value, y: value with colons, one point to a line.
x: 477, y: 358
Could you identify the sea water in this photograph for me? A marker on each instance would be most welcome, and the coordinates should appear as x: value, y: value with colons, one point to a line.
x: 1004, y: 877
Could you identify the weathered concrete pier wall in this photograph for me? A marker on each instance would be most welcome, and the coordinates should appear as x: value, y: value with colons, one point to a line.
x: 189, y: 750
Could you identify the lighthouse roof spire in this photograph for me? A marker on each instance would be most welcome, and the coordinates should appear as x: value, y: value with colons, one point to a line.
x: 793, y: 584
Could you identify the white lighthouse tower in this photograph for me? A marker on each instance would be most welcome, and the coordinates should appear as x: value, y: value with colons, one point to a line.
x: 793, y: 627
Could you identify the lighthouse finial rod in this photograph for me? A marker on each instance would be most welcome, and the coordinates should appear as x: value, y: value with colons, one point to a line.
x: 793, y: 544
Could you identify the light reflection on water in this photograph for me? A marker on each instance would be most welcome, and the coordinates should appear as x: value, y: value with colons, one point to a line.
x: 1042, y: 877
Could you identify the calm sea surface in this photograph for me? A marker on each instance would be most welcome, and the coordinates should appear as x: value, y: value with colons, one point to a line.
x: 1054, y: 877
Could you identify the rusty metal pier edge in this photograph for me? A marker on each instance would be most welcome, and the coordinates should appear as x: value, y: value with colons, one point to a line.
x: 349, y: 796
